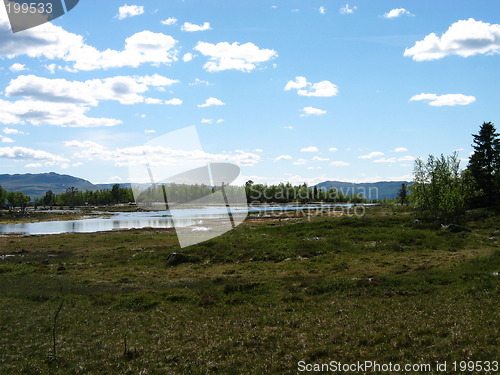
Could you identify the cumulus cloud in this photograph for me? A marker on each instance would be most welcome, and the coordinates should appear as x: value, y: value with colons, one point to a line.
x: 157, y: 155
x: 371, y: 155
x: 174, y: 101
x: 347, y: 10
x: 225, y: 56
x: 463, y: 38
x: 6, y: 139
x: 124, y: 89
x: 398, y: 12
x: 191, y: 27
x: 211, y: 102
x: 317, y: 158
x: 187, y: 57
x: 400, y: 149
x: 52, y: 42
x: 322, y: 10
x: 60, y: 114
x: 332, y: 149
x: 16, y: 67
x: 394, y: 160
x: 300, y: 162
x: 339, y: 163
x: 283, y: 157
x: 24, y: 154
x: 127, y: 11
x: 169, y: 21
x: 304, y: 88
x: 311, y: 111
x: 309, y: 149
x: 444, y: 100
x: 10, y: 131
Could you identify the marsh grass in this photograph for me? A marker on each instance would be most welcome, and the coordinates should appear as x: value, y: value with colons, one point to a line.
x: 256, y: 300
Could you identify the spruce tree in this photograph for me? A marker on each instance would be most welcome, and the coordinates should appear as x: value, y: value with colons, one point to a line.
x: 484, y: 164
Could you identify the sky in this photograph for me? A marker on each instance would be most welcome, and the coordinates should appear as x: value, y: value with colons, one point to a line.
x: 290, y: 90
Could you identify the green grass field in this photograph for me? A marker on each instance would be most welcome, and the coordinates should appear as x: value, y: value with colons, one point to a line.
x: 254, y: 301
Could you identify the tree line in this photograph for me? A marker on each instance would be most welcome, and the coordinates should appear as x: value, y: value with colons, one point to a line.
x: 443, y: 192
x: 71, y: 197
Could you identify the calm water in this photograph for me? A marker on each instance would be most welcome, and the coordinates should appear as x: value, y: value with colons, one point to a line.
x: 153, y: 219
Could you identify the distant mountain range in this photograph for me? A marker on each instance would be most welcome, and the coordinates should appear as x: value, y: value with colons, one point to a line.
x: 371, y: 191
x: 35, y: 185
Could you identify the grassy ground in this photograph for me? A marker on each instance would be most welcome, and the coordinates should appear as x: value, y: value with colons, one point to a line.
x: 256, y: 300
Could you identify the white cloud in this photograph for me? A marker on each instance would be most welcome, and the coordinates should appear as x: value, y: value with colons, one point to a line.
x: 371, y: 155
x: 322, y: 10
x: 463, y: 38
x: 127, y: 11
x: 191, y: 27
x: 33, y: 165
x: 52, y: 42
x: 10, y: 131
x: 332, y: 149
x: 220, y: 121
x: 207, y: 121
x: 59, y: 114
x: 198, y: 81
x: 226, y: 56
x: 299, y: 83
x: 283, y: 157
x: 398, y: 12
x: 16, y: 67
x: 211, y: 102
x: 51, y: 68
x: 23, y: 154
x: 169, y: 21
x: 174, y: 101
x: 259, y: 150
x: 444, y: 100
x: 149, y: 131
x: 347, y: 10
x: 288, y: 127
x: 317, y: 158
x: 322, y: 89
x: 124, y: 89
x: 309, y: 149
x: 187, y: 57
x: 7, y: 140
x: 339, y: 164
x: 300, y: 162
x: 400, y: 149
x: 157, y: 155
x: 309, y: 111
x: 394, y: 160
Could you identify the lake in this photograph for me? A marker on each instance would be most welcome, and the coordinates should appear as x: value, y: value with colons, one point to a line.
x: 187, y: 218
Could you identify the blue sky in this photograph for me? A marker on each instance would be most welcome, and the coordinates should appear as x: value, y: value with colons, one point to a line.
x: 299, y: 91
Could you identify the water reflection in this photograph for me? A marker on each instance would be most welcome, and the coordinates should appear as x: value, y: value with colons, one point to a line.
x: 153, y: 219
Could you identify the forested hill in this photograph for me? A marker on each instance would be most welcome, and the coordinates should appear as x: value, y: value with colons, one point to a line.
x: 371, y: 191
x: 35, y: 185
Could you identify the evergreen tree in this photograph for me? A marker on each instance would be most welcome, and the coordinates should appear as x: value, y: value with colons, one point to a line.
x: 3, y: 197
x: 484, y: 164
x: 403, y: 194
